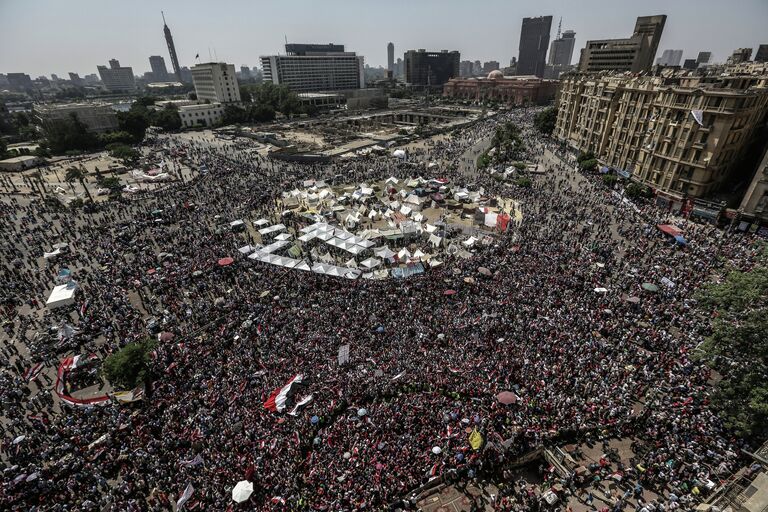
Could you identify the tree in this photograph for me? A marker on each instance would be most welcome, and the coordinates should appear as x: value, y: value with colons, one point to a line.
x: 545, y: 120
x: 146, y: 101
x: 245, y: 94
x: 523, y: 181
x: 609, y: 180
x: 3, y: 147
x: 112, y: 183
x: 123, y: 152
x: 636, y: 190
x: 167, y: 118
x: 738, y: 348
x: 234, y: 115
x: 74, y: 174
x: 261, y: 113
x: 129, y: 366
x: 135, y: 121
x: 585, y: 156
x: 588, y: 165
x: 70, y: 135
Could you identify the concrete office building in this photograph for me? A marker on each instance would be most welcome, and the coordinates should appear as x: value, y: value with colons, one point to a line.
x: 159, y: 71
x: 19, y: 81
x: 670, y: 58
x: 633, y: 54
x: 683, y: 135
x: 740, y: 55
x: 117, y: 78
x: 216, y: 82
x: 391, y: 57
x: 491, y: 65
x: 75, y: 79
x: 703, y: 58
x: 465, y: 68
x: 97, y: 117
x: 315, y: 68
x: 762, y: 53
x: 431, y: 69
x: 561, y: 50
x: 534, y: 41
x: 690, y: 64
x: 203, y: 114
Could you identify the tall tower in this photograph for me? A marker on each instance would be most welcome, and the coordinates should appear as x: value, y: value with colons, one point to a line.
x: 171, y: 49
x: 391, y: 57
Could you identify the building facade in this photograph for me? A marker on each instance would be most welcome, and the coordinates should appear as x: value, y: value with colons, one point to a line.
x: 201, y: 115
x: 762, y: 53
x: 431, y: 69
x: 159, y: 71
x: 670, y: 58
x: 315, y: 68
x: 216, y: 82
x: 97, y: 117
x: 703, y: 58
x: 740, y: 55
x: 754, y: 205
x: 19, y: 81
x: 682, y: 135
x: 633, y: 54
x: 117, y: 78
x: 534, y: 41
x: 391, y: 57
x: 511, y: 90
x: 561, y: 51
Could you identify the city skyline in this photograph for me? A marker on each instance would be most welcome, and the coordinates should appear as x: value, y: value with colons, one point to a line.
x: 132, y: 35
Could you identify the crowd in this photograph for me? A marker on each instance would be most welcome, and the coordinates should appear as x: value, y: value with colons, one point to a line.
x: 425, y: 367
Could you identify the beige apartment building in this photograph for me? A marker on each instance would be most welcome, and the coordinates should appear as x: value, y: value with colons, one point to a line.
x: 683, y: 135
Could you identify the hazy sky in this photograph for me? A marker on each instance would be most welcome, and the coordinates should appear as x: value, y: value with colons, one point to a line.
x: 56, y: 36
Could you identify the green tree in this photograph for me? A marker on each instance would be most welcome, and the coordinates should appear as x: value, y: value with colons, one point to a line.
x: 245, y: 94
x: 523, y: 181
x: 123, y: 152
x: 3, y: 148
x: 112, y: 183
x: 146, y: 101
x: 261, y: 113
x: 585, y: 156
x: 234, y: 115
x: 738, y: 348
x: 588, y: 165
x: 636, y: 190
x: 129, y: 366
x: 135, y: 121
x: 74, y: 174
x: 166, y: 118
x: 545, y: 120
x: 609, y: 180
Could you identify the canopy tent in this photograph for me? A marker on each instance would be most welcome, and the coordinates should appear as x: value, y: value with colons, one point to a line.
x: 284, y: 236
x: 261, y: 222
x: 469, y: 242
x: 383, y: 252
x: 274, y: 246
x: 236, y: 223
x: 246, y: 249
x: 371, y: 263
x: 272, y: 229
x: 399, y: 153
x: 62, y: 295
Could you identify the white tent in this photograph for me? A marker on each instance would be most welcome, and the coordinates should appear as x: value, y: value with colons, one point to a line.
x: 434, y: 262
x: 62, y: 295
x: 435, y: 240
x: 469, y: 242
x: 284, y: 236
x: 431, y: 228
x: 246, y: 249
x: 236, y: 223
x: 392, y: 180
x: 371, y: 263
x: 303, y: 266
x: 383, y: 252
x: 261, y: 222
x: 418, y: 254
x: 399, y: 153
x: 404, y: 253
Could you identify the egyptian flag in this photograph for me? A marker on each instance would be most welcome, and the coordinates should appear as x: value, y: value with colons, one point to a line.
x: 31, y: 374
x: 279, y: 400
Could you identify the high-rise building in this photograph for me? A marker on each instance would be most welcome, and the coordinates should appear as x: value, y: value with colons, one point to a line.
x: 683, y: 136
x: 19, y: 81
x: 762, y: 53
x: 703, y: 58
x: 465, y: 68
x: 633, y: 54
x: 117, y: 78
x: 491, y: 65
x: 391, y: 57
x: 431, y: 69
x: 315, y: 68
x: 172, y: 50
x: 740, y: 55
x: 670, y: 58
x: 690, y: 64
x: 97, y: 117
x: 245, y: 72
x: 399, y: 68
x: 54, y: 77
x: 75, y: 79
x: 561, y: 50
x: 159, y: 71
x: 534, y: 41
x: 215, y: 82
x: 477, y: 68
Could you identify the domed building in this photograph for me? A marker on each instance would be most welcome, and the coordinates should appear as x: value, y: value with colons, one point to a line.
x: 510, y: 90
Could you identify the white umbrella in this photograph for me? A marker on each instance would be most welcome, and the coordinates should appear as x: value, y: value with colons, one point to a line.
x: 437, y: 450
x: 242, y: 491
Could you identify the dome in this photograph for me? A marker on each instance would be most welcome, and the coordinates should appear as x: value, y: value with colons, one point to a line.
x: 495, y: 74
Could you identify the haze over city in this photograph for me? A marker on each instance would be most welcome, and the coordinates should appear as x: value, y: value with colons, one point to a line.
x: 404, y: 256
x: 243, y: 30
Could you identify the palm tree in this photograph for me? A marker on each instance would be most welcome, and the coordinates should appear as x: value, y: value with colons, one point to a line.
x: 75, y: 174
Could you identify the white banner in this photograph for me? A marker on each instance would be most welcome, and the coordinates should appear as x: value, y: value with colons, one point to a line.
x: 343, y: 354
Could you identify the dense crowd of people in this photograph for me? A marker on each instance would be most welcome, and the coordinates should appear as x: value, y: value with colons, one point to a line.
x: 425, y: 366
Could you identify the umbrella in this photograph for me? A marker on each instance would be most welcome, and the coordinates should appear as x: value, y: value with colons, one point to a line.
x: 633, y: 300
x: 223, y: 262
x: 650, y: 287
x: 449, y: 292
x: 437, y: 450
x: 197, y: 273
x: 484, y: 271
x: 166, y: 336
x: 242, y: 491
x: 506, y: 397
x: 362, y: 412
x: 314, y: 420
x: 469, y: 280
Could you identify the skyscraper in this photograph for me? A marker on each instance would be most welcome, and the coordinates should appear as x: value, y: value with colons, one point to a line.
x: 431, y: 69
x: 391, y: 57
x: 762, y: 53
x: 159, y: 71
x: 703, y: 58
x: 171, y: 49
x: 633, y: 54
x: 117, y: 78
x: 670, y: 58
x: 561, y: 51
x: 534, y: 41
x: 216, y: 82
